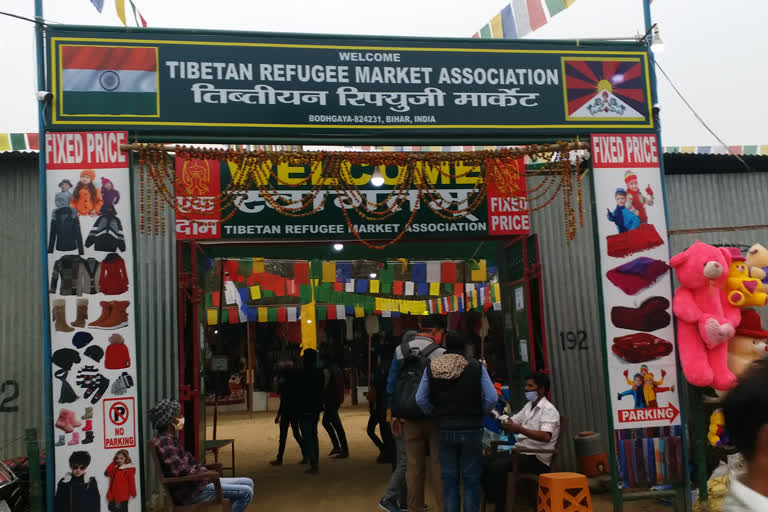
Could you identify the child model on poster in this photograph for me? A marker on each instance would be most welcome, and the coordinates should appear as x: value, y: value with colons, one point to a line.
x: 636, y: 390
x: 64, y: 194
x: 109, y: 195
x: 624, y: 219
x: 122, y: 482
x: 86, y: 198
x: 636, y: 201
x: 650, y: 386
x: 76, y: 492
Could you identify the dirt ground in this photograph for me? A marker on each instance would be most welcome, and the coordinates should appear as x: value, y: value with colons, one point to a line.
x: 354, y: 484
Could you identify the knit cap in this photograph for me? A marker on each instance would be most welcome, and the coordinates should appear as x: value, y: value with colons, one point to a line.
x: 164, y: 413
x: 90, y: 173
x: 629, y: 176
x: 81, y: 339
x: 65, y: 358
x: 104, y: 181
x: 95, y: 352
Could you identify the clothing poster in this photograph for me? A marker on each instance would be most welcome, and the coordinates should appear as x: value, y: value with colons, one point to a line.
x: 636, y: 281
x: 93, y: 333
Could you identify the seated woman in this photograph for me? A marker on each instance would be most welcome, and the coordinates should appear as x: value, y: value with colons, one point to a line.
x: 537, y: 427
x: 168, y: 419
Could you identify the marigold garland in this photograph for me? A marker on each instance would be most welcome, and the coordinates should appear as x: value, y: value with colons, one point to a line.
x: 331, y: 171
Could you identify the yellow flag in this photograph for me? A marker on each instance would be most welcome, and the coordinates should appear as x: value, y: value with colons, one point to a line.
x: 258, y: 266
x: 434, y: 289
x: 120, y: 8
x: 379, y: 304
x: 308, y: 327
x: 481, y: 273
x: 329, y: 271
x: 255, y: 292
x: 213, y: 316
x: 263, y: 314
x: 359, y: 312
x: 5, y: 142
x: 496, y: 27
x: 374, y: 286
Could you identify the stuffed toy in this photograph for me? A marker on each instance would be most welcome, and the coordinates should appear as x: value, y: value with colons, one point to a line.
x: 717, y: 436
x: 757, y: 262
x: 749, y: 343
x: 705, y: 319
x: 743, y: 290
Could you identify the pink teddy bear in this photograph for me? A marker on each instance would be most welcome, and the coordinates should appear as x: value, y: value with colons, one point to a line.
x: 705, y: 319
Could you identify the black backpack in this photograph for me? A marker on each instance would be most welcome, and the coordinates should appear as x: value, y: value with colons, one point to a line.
x: 404, y: 397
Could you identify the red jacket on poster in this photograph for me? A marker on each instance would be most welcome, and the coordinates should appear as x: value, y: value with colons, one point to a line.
x: 122, y: 482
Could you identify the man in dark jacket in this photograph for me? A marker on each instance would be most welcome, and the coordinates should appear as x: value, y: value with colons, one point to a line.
x: 289, y: 413
x: 65, y: 234
x: 310, y: 406
x: 76, y: 492
x: 459, y: 392
x: 333, y: 397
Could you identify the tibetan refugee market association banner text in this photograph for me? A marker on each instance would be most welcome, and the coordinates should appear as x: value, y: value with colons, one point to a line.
x: 271, y: 85
x: 332, y: 212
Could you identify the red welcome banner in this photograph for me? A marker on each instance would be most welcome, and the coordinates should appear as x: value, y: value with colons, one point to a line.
x: 198, y: 207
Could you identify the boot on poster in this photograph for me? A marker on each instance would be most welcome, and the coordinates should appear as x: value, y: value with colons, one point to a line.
x: 76, y: 492
x: 75, y: 439
x: 60, y: 316
x: 88, y: 437
x: 106, y: 311
x: 122, y: 482
x: 116, y: 318
x: 82, y: 313
x: 65, y: 422
x: 88, y: 414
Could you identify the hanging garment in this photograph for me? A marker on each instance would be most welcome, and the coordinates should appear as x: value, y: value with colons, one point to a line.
x: 65, y: 234
x: 78, y: 275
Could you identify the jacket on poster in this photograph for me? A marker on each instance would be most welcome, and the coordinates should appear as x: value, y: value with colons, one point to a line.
x: 107, y: 233
x: 65, y: 234
x: 77, y: 275
x: 122, y: 482
x: 86, y: 198
x: 117, y: 356
x: 113, y: 277
x: 77, y: 494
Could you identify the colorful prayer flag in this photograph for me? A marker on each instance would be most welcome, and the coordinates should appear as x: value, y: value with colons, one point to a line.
x: 536, y: 14
x: 374, y: 286
x: 434, y: 289
x: 255, y: 292
x: 109, y: 80
x: 397, y: 288
x: 329, y: 272
x: 301, y: 272
x: 522, y: 19
x: 263, y: 316
x: 496, y: 29
x: 448, y: 272
x: 282, y: 315
x: 479, y: 272
x: 409, y: 287
x: 485, y: 32
x: 120, y: 8
x: 98, y: 4
x: 433, y: 272
x: 292, y: 314
x: 555, y: 6
x: 341, y: 312
x: 212, y: 316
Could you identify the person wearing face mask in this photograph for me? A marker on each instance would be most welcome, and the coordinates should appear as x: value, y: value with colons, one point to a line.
x: 168, y: 419
x: 537, y: 427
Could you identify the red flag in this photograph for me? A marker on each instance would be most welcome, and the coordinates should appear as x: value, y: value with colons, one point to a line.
x: 282, y: 315
x: 215, y: 299
x: 331, y: 312
x: 338, y: 287
x: 234, y: 318
x: 397, y: 288
x: 448, y: 272
x: 279, y: 286
x: 458, y: 289
x: 301, y: 272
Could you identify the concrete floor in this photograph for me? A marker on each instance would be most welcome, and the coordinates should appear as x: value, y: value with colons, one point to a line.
x: 354, y: 484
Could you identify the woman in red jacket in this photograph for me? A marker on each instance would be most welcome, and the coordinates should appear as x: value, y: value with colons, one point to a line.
x: 122, y: 482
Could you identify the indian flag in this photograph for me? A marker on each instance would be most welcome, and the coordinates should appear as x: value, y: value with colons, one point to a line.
x: 109, y: 80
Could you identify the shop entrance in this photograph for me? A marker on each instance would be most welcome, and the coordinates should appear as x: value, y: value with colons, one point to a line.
x: 251, y: 338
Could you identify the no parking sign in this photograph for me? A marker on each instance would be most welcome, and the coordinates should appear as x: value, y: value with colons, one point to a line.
x: 119, y: 423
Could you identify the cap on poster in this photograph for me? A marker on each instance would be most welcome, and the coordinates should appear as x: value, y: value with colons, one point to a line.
x: 95, y: 352
x: 81, y: 339
x: 629, y: 176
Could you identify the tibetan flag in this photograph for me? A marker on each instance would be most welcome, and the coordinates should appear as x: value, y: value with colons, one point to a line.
x: 282, y: 314
x: 434, y: 289
x: 293, y: 314
x: 100, y: 80
x: 448, y: 272
x: 300, y: 272
x: 409, y: 287
x: 329, y: 272
x: 330, y: 312
x: 496, y: 29
x: 341, y: 312
x: 495, y: 292
x: 338, y: 286
x: 480, y: 272
x: 433, y: 272
x: 398, y: 288
x: 419, y: 272
x: 359, y: 311
x: 374, y: 286
x: 258, y: 266
x: 555, y: 6
x: 213, y: 316
x: 255, y: 292
x: 98, y: 4
x: 272, y: 314
x: 263, y: 315
x: 536, y: 14
x: 349, y: 286
x: 522, y: 19
x: 215, y: 298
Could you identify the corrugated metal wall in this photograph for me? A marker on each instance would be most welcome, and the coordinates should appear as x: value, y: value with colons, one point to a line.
x: 21, y: 331
x: 571, y: 304
x: 157, y: 316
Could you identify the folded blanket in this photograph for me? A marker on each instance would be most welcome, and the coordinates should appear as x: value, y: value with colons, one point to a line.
x: 643, y: 238
x: 650, y: 316
x: 637, y: 275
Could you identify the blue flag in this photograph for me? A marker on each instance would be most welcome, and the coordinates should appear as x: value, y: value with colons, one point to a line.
x: 98, y: 4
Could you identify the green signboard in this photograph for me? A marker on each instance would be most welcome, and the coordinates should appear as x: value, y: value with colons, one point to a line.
x: 308, y: 86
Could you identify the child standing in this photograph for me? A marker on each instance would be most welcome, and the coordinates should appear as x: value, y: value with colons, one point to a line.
x: 624, y: 219
x: 86, y: 198
x: 122, y: 482
x: 110, y: 196
x: 76, y: 492
x: 636, y: 201
x: 64, y: 194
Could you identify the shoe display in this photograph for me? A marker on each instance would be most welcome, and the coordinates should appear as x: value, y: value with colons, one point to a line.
x: 117, y: 317
x: 106, y: 311
x: 75, y: 439
x: 59, y: 316
x: 64, y: 421
x: 60, y: 442
x: 88, y: 425
x: 88, y: 414
x: 82, y: 313
x: 88, y: 437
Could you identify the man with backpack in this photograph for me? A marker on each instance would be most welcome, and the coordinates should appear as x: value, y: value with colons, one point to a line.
x: 419, y: 432
x: 459, y: 392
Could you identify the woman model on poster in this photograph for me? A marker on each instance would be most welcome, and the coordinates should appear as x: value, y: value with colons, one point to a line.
x: 86, y: 198
x: 122, y: 482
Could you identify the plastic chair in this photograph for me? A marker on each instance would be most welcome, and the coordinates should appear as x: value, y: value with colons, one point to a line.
x: 564, y: 492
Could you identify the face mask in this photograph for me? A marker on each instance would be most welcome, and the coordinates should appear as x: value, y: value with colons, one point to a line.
x: 179, y: 424
x: 531, y: 396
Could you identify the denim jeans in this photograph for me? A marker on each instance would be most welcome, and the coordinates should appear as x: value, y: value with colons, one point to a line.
x: 461, y: 458
x: 238, y: 490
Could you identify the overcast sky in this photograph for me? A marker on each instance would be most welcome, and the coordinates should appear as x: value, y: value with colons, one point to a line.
x: 714, y: 49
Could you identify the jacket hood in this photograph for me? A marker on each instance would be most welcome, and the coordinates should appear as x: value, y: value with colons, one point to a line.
x: 448, y: 366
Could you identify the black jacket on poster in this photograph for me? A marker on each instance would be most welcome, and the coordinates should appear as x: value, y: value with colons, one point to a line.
x: 74, y: 494
x: 107, y: 234
x: 65, y: 234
